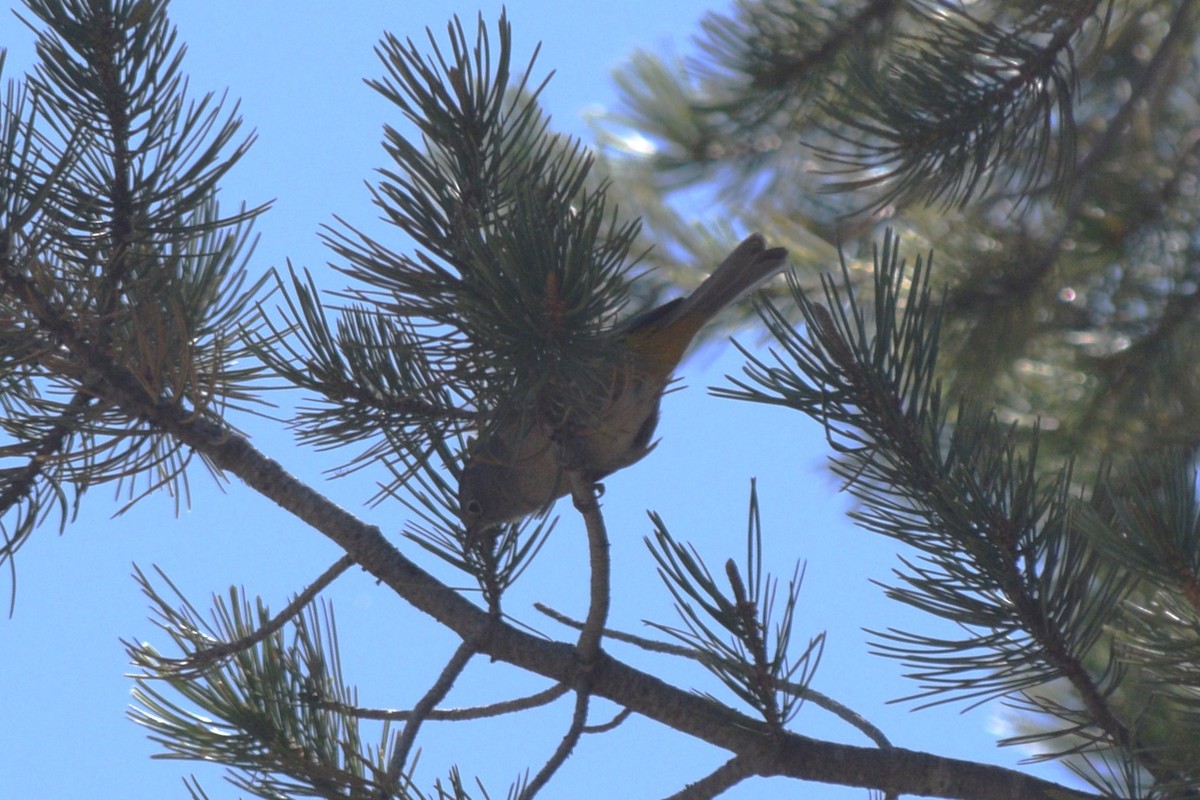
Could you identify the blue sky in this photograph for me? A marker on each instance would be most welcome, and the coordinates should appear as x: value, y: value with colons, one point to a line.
x: 297, y: 68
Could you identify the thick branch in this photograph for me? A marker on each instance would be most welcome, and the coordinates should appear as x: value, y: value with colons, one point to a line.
x: 899, y: 770
x: 769, y: 752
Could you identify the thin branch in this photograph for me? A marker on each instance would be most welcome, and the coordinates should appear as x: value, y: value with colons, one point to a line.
x: 421, y: 711
x: 583, y: 493
x: 729, y: 774
x: 605, y: 727
x: 535, y: 700
x: 753, y: 639
x: 809, y: 694
x: 559, y: 757
x: 590, y: 634
x: 200, y: 660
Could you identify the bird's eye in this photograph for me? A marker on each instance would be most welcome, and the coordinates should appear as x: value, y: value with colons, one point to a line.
x: 473, y: 508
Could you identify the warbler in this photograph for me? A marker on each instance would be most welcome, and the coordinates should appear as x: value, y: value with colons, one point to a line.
x: 520, y: 468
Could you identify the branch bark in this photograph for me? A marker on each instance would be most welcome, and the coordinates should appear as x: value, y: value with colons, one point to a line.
x: 889, y: 770
x: 767, y: 752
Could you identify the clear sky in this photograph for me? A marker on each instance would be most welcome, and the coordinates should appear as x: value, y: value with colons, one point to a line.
x: 297, y: 68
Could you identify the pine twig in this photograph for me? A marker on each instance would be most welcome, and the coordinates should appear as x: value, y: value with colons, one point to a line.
x: 421, y: 711
x: 541, y: 698
x: 724, y: 777
x: 809, y: 694
x: 605, y: 727
x: 202, y: 659
x: 563, y: 751
x: 587, y: 649
x: 584, y: 494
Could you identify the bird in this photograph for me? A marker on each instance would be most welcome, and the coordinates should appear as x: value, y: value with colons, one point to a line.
x: 520, y: 468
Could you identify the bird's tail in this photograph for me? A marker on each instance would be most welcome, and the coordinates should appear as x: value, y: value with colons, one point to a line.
x: 665, y: 333
x: 749, y: 266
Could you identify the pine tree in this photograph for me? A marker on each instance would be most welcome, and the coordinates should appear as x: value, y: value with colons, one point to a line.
x: 1044, y: 154
x: 1014, y: 409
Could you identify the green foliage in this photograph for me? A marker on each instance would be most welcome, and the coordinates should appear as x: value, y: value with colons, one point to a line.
x: 519, y: 266
x: 494, y: 560
x: 118, y: 270
x: 957, y: 101
x: 276, y: 714
x: 751, y: 656
x: 1042, y: 583
x: 1054, y: 140
x: 1053, y: 395
x: 1020, y: 416
x: 502, y: 202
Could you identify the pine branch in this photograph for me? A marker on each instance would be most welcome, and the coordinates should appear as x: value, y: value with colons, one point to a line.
x: 732, y: 635
x: 258, y: 718
x: 565, y: 746
x: 111, y: 238
x: 612, y: 724
x: 498, y: 314
x: 726, y: 776
x: 998, y: 553
x: 535, y: 700
x: 895, y: 769
x: 583, y: 493
x: 588, y: 647
x: 201, y: 660
x: 803, y: 692
x: 421, y: 711
x: 955, y: 105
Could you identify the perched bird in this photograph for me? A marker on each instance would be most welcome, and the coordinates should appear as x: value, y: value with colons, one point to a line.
x: 520, y: 468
